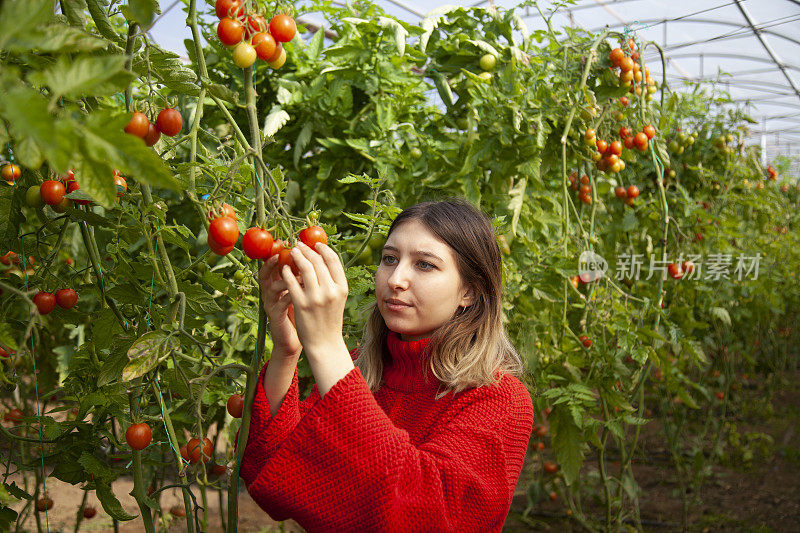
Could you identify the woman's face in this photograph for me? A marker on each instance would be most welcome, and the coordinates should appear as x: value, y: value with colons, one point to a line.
x: 417, y: 285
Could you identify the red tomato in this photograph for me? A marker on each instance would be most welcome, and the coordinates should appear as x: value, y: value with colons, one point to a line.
x: 626, y: 64
x: 549, y: 467
x: 575, y: 280
x: 4, y: 353
x: 628, y: 142
x: 198, y: 452
x: 625, y: 131
x: 616, y: 56
x: 177, y: 511
x: 586, y: 341
x: 615, y: 148
x: 217, y: 248
x: 633, y: 191
x: 585, y: 198
x: 675, y: 271
x: 229, y: 8
x: 602, y: 146
x: 276, y: 55
x: 52, y: 192
x: 9, y: 258
x: 312, y: 235
x: 650, y: 131
x: 44, y: 504
x: 72, y: 187
x: 585, y: 189
x: 224, y: 231
x: 219, y: 470
x: 169, y: 122
x: 89, y: 512
x: 620, y: 192
x: 138, y: 124
x: 122, y: 185
x: 44, y: 302
x: 687, y: 266
x: 631, y: 44
x: 225, y: 211
x: 640, y: 141
x: 138, y: 436
x: 277, y: 246
x: 553, y: 495
x: 282, y: 27
x: 185, y: 452
x: 624, y: 101
x: 265, y: 45
x: 255, y: 24
x: 153, y: 135
x: 230, y: 31
x: 236, y: 405
x: 66, y: 298
x: 11, y: 172
x: 257, y: 243
x: 285, y: 259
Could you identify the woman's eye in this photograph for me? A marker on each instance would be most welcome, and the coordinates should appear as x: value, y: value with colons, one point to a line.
x: 388, y: 259
x: 425, y: 265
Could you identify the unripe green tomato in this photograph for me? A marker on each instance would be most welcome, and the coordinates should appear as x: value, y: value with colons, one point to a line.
x: 416, y: 153
x: 651, y: 89
x: 729, y: 138
x: 680, y: 150
x: 689, y: 140
x: 377, y: 241
x: 33, y: 197
x: 244, y: 54
x: 485, y: 76
x: 488, y: 62
x: 672, y: 173
x: 238, y: 275
x: 673, y: 146
x: 681, y: 137
x: 462, y: 123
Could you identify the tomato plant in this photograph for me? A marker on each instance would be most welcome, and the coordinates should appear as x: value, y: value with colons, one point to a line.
x: 311, y: 235
x: 66, y: 298
x: 257, y: 243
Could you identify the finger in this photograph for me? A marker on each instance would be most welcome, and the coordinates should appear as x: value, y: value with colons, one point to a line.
x: 320, y: 268
x: 267, y: 269
x: 293, y: 286
x: 334, y: 263
x: 305, y: 267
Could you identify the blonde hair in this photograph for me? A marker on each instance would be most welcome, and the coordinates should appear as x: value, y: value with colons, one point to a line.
x: 472, y: 348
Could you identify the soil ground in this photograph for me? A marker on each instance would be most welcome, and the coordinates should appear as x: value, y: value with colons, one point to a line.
x: 761, y: 495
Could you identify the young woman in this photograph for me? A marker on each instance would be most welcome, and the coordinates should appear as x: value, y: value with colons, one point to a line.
x: 424, y: 427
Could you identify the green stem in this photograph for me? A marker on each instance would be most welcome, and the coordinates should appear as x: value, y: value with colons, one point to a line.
x: 94, y: 258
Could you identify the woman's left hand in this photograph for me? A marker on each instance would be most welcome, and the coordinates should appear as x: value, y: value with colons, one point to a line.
x: 318, y: 303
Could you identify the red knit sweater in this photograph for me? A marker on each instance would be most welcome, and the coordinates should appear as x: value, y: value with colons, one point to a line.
x: 397, y: 460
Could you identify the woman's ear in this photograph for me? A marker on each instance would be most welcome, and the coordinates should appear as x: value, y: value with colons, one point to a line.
x: 467, y: 297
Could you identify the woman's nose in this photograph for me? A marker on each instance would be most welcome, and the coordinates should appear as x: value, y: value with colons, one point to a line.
x: 399, y: 277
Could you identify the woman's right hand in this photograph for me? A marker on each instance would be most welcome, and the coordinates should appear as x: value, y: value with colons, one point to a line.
x: 279, y: 309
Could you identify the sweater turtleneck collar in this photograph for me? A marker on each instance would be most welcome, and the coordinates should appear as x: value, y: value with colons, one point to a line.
x: 408, y: 368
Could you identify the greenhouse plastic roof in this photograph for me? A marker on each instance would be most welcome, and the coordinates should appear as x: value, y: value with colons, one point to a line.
x: 752, y: 47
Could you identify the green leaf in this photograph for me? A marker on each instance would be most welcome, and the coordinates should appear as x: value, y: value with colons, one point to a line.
x: 302, y: 141
x: 400, y: 33
x: 21, y: 16
x: 110, y: 503
x: 141, y: 11
x: 146, y: 352
x: 57, y: 39
x: 97, y: 9
x: 517, y: 198
x: 721, y: 314
x: 275, y: 121
x: 76, y: 77
x: 567, y: 441
x: 445, y: 92
x: 315, y: 46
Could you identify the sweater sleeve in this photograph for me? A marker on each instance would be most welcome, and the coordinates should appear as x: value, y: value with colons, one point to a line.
x: 347, y: 467
x: 267, y: 433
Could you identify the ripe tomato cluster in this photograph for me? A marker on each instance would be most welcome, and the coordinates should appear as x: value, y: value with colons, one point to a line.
x: 257, y: 243
x: 250, y: 35
x: 773, y: 174
x: 678, y: 270
x: 169, y: 122
x: 11, y: 172
x: 630, y: 72
x: 582, y: 186
x: 627, y: 195
x: 45, y: 302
